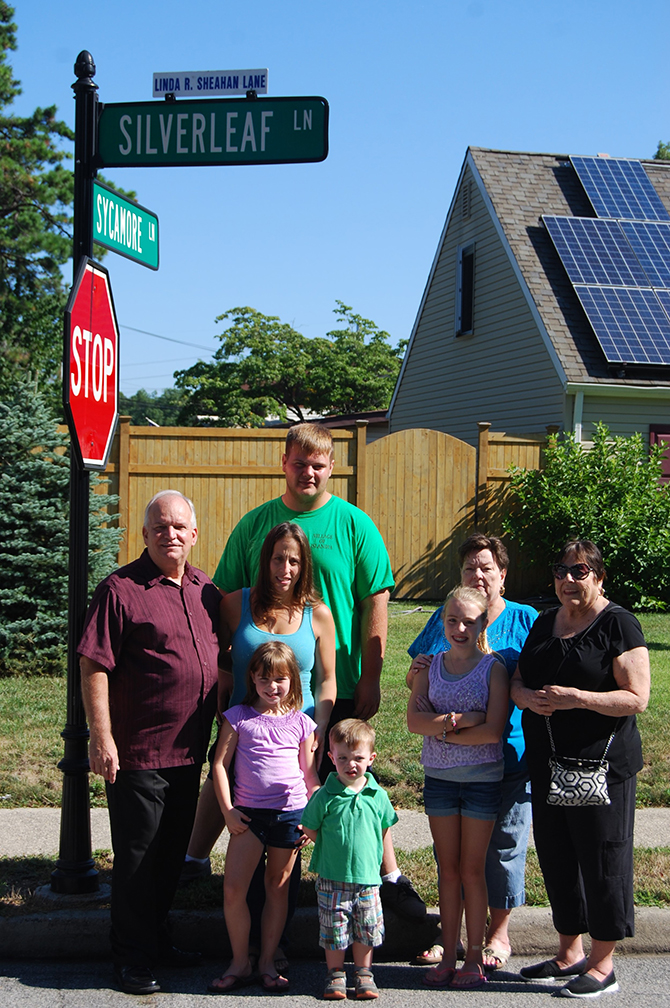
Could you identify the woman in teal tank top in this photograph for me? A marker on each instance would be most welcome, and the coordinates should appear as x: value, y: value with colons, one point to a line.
x: 282, y: 605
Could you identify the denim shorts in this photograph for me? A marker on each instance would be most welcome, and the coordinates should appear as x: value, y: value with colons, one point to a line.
x: 472, y: 799
x: 274, y: 827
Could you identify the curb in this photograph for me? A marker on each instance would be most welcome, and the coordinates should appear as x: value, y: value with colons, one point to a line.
x: 83, y: 934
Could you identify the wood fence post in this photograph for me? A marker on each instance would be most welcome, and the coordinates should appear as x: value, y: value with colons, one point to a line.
x: 482, y: 474
x: 124, y: 486
x: 361, y: 468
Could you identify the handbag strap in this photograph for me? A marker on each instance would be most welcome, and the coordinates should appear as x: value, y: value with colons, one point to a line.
x: 553, y: 747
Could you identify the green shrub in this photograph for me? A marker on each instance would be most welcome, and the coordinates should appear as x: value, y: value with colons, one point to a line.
x: 610, y: 494
x: 34, y: 490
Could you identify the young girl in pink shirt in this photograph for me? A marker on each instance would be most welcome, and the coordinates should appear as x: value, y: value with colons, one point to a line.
x: 272, y: 742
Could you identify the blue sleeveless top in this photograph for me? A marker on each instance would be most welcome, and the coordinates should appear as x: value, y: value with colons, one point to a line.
x: 248, y: 637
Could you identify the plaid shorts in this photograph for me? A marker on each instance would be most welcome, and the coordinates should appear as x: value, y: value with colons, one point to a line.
x: 349, y: 913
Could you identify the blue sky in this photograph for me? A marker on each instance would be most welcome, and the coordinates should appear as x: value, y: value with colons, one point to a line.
x: 410, y: 86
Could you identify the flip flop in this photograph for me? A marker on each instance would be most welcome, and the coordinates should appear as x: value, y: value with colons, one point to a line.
x: 472, y: 980
x: 274, y: 984
x: 439, y: 977
x: 501, y: 957
x: 238, y: 981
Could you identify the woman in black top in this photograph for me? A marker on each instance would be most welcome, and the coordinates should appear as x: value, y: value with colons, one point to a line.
x: 586, y: 666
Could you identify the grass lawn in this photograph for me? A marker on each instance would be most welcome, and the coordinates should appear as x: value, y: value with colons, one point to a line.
x: 19, y: 877
x: 32, y: 715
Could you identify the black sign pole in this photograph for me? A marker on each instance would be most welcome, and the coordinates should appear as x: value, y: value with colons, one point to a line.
x: 75, y: 871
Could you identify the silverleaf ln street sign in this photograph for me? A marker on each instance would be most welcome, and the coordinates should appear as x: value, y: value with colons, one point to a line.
x: 218, y: 131
x: 124, y: 226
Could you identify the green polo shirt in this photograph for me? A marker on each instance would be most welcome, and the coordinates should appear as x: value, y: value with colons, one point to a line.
x: 349, y: 826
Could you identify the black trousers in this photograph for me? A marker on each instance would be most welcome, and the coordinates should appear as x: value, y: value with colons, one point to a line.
x: 586, y: 857
x: 151, y: 814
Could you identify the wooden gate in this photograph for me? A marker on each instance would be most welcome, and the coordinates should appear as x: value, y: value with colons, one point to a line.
x: 420, y: 492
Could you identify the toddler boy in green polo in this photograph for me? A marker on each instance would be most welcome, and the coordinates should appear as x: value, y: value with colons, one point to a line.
x: 349, y: 827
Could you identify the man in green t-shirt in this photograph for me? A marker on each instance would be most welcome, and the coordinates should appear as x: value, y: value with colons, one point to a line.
x: 352, y: 572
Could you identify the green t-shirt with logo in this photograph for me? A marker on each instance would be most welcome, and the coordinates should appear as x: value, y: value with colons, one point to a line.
x: 350, y: 563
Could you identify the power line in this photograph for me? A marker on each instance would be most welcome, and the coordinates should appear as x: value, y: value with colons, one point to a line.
x: 168, y: 339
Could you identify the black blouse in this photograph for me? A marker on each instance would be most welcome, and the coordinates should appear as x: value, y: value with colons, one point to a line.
x: 585, y: 662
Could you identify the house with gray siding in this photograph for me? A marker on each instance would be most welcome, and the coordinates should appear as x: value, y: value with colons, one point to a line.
x: 500, y: 333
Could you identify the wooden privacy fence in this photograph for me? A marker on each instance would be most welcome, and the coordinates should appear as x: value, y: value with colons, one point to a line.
x: 425, y: 490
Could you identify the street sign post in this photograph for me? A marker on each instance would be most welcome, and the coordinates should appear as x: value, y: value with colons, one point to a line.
x: 203, y: 83
x: 218, y: 131
x: 91, y: 373
x: 124, y: 226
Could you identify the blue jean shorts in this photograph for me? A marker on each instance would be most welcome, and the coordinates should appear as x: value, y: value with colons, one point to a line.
x: 274, y: 827
x: 472, y: 799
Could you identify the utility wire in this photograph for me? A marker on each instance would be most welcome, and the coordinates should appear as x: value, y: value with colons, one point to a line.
x: 168, y: 339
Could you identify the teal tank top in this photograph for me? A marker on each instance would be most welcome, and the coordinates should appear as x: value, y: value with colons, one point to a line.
x: 248, y: 637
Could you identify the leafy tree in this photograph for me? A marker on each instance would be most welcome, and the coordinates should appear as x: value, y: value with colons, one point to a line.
x: 662, y: 151
x: 611, y: 494
x: 34, y: 490
x: 266, y: 367
x: 161, y: 407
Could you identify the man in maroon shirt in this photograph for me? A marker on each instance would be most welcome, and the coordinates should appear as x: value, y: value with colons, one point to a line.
x: 148, y: 658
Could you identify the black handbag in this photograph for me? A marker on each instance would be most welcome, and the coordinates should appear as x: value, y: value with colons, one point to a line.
x: 574, y: 781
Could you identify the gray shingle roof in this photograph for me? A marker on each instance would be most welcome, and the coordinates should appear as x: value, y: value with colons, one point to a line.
x: 521, y: 188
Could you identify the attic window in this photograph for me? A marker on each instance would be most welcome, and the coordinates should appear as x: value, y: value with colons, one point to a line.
x: 465, y: 289
x: 465, y: 205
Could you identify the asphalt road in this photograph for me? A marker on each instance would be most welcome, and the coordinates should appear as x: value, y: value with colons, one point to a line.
x: 644, y: 981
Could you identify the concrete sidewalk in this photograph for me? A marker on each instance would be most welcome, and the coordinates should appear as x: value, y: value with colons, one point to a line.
x: 64, y: 929
x: 32, y: 832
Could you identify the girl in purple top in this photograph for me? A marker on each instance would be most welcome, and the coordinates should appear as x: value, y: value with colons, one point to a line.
x: 460, y: 705
x: 272, y: 741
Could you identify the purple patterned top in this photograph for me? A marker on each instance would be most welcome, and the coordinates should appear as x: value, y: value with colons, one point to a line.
x: 470, y: 693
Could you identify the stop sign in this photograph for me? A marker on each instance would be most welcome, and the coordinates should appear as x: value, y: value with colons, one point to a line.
x: 91, y: 372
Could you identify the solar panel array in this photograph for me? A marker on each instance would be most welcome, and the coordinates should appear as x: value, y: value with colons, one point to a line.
x: 619, y: 188
x: 619, y: 262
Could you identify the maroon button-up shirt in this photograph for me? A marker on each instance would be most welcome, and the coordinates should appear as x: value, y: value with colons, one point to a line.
x: 158, y: 642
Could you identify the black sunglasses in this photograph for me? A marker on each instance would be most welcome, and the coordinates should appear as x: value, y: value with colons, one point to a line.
x: 578, y: 571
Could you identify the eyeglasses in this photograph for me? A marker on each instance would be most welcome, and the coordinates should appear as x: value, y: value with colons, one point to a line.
x: 578, y: 571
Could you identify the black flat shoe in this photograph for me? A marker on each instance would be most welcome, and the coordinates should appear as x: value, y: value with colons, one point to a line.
x: 136, y: 980
x: 587, y: 986
x: 549, y: 971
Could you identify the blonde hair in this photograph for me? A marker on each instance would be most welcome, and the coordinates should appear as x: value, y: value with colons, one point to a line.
x: 352, y: 732
x: 274, y: 657
x: 463, y: 594
x: 315, y: 439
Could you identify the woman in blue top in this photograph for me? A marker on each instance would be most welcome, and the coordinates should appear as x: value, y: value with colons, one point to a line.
x: 484, y: 561
x: 282, y: 605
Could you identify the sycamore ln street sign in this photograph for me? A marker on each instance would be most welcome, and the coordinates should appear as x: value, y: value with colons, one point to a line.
x: 218, y: 131
x: 124, y: 226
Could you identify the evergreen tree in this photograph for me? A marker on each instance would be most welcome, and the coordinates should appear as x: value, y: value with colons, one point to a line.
x: 34, y: 485
x: 35, y: 216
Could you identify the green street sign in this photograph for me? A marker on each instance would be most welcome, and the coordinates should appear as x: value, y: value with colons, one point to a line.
x: 124, y: 226
x: 217, y: 131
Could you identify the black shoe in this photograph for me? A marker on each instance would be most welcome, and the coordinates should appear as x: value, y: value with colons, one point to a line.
x: 550, y: 971
x: 402, y: 898
x: 586, y: 986
x: 179, y: 960
x: 195, y: 870
x: 136, y: 980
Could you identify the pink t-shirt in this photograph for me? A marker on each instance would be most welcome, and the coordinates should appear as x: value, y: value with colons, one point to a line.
x: 267, y: 771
